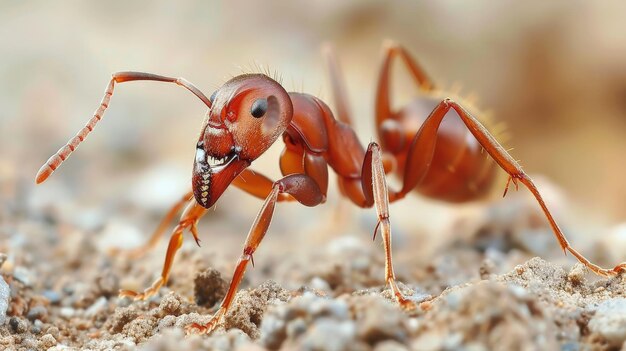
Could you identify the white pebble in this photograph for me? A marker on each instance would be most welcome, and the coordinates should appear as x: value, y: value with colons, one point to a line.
x: 5, y: 293
x: 610, y: 321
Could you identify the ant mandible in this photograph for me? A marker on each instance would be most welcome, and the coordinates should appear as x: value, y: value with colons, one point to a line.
x: 250, y: 112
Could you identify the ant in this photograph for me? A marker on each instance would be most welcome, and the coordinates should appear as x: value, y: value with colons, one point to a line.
x: 251, y: 111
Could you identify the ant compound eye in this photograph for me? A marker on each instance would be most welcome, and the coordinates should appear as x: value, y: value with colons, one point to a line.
x: 212, y: 97
x: 259, y: 107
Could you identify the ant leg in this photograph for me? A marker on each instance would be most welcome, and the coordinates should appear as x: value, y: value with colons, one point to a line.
x: 341, y: 97
x: 258, y: 185
x: 294, y: 160
x: 376, y: 192
x: 337, y: 85
x: 422, y: 150
x: 57, y: 159
x: 140, y: 251
x: 383, y: 109
x: 301, y: 187
x: 390, y: 50
x: 189, y: 219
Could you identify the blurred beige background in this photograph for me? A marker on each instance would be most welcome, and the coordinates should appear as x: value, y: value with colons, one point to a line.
x: 554, y: 72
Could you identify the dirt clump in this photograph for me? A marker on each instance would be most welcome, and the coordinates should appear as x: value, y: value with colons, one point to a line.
x: 487, y: 315
x: 249, y: 307
x: 209, y: 287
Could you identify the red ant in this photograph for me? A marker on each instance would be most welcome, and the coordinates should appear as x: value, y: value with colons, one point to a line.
x: 251, y: 111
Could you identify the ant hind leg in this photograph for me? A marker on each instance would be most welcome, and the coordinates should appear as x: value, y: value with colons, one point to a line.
x: 422, y: 150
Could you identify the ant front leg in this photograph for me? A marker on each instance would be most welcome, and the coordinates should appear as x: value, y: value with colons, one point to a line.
x: 193, y: 212
x: 189, y: 219
x: 422, y: 150
x: 376, y: 192
x: 258, y: 185
x: 139, y: 252
x: 304, y: 189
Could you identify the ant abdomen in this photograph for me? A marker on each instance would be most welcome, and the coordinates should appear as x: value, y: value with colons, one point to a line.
x: 460, y: 170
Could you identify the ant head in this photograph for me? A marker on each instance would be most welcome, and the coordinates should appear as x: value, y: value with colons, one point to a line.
x: 248, y: 113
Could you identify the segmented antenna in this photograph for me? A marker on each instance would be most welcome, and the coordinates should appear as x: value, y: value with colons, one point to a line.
x: 55, y: 160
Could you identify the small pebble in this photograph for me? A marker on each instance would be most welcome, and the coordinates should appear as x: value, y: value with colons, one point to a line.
x: 390, y: 345
x: 29, y: 343
x: 171, y: 304
x: 54, y: 331
x: 96, y: 306
x: 330, y: 334
x: 296, y: 327
x: 48, y: 341
x: 67, y: 312
x: 18, y: 325
x: 52, y: 296
x: 5, y: 294
x: 321, y: 307
x: 609, y: 321
x: 320, y: 284
x: 37, y: 325
x: 577, y: 275
x: 486, y: 268
x: 24, y: 275
x: 37, y: 312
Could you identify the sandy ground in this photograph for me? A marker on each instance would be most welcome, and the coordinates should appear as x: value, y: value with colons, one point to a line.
x: 553, y: 73
x: 479, y: 290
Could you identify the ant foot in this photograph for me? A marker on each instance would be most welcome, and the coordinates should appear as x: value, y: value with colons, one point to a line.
x: 195, y: 328
x: 146, y: 294
x: 620, y: 268
x: 406, y: 304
